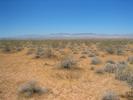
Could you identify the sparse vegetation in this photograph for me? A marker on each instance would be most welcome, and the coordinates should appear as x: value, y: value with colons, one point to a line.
x: 110, y: 61
x: 128, y: 95
x: 110, y: 50
x: 39, y: 53
x: 125, y: 73
x: 91, y: 55
x: 92, y: 68
x: 103, y: 62
x: 68, y: 63
x: 130, y: 59
x: 30, y: 88
x: 44, y: 53
x: 119, y: 51
x: 110, y: 95
x: 100, y: 71
x: 111, y: 68
x: 96, y: 60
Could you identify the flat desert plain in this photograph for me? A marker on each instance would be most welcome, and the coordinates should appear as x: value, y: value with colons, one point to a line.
x: 66, y: 69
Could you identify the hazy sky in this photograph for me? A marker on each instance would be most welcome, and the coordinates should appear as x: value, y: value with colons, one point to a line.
x: 23, y: 17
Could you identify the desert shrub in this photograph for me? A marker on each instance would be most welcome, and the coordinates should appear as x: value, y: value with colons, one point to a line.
x: 110, y: 50
x: 97, y: 54
x: 92, y: 68
x: 30, y: 88
x: 18, y: 48
x: 11, y: 47
x: 99, y: 71
x: 123, y: 72
x: 129, y: 95
x: 119, y: 51
x: 91, y: 55
x: 68, y: 63
x: 110, y: 95
x: 85, y: 52
x: 124, y: 63
x: 130, y: 80
x: 131, y: 49
x: 111, y: 68
x: 44, y: 53
x: 122, y: 75
x: 95, y: 60
x: 83, y: 56
x: 39, y: 53
x: 75, y: 52
x: 30, y: 51
x: 110, y: 61
x: 6, y: 49
x: 49, y: 53
x: 130, y: 59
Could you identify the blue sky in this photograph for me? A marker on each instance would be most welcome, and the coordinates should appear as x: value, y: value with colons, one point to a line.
x: 26, y: 17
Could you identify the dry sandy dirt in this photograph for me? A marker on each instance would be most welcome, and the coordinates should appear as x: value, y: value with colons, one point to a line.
x: 81, y: 84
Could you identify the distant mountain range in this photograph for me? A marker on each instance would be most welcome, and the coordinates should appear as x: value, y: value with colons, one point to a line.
x: 70, y: 36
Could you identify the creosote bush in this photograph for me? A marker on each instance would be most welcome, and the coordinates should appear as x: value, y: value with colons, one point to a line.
x: 110, y: 95
x: 30, y: 88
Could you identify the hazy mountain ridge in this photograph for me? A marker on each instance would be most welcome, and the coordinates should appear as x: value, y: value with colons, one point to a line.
x: 69, y: 35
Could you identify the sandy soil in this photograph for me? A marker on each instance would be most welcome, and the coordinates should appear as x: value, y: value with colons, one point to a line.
x: 80, y: 84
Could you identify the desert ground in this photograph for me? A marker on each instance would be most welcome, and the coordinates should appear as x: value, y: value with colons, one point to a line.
x: 66, y: 69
